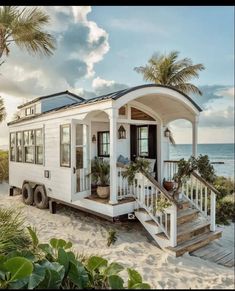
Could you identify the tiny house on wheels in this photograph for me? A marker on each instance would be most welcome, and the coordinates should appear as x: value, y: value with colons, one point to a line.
x: 56, y: 137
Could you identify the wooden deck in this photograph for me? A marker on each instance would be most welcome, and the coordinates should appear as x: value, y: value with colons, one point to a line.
x: 96, y: 198
x: 215, y: 254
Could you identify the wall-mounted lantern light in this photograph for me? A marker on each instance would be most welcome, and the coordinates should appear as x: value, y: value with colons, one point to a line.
x: 167, y: 132
x: 93, y: 138
x: 121, y: 132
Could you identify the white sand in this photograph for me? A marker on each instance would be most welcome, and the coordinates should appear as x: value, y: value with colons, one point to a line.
x: 133, y: 248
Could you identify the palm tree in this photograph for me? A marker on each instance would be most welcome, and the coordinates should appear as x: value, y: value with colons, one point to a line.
x: 2, y: 110
x: 25, y: 29
x: 168, y: 70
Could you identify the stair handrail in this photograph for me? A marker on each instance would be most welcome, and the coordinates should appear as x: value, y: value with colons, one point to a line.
x: 207, y: 184
x: 154, y: 182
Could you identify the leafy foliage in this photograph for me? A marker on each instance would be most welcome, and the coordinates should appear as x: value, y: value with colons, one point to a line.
x: 224, y: 185
x: 12, y: 231
x: 170, y: 71
x: 162, y: 203
x: 100, y: 171
x: 55, y: 266
x: 25, y: 28
x: 4, y: 167
x: 225, y: 210
x: 111, y: 237
x: 140, y: 165
x: 205, y: 168
x: 185, y: 168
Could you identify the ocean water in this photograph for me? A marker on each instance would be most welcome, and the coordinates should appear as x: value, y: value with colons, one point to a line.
x: 216, y: 153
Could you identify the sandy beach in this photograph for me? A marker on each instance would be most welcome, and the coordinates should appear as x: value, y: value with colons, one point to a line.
x: 133, y: 248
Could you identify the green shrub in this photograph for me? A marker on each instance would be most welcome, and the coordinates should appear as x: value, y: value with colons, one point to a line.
x: 111, y: 237
x: 224, y: 185
x: 12, y: 231
x: 225, y: 210
x: 4, y: 166
x: 55, y: 266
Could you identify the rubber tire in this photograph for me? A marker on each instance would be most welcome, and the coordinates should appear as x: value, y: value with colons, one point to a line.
x: 27, y: 194
x: 40, y: 197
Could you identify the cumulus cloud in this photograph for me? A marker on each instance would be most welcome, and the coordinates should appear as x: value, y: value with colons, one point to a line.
x: 81, y: 44
x: 217, y: 118
x: 102, y: 86
x: 210, y: 94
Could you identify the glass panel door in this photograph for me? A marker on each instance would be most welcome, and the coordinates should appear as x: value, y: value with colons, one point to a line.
x: 81, y: 158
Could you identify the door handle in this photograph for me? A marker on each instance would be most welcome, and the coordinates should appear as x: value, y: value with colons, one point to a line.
x: 74, y: 170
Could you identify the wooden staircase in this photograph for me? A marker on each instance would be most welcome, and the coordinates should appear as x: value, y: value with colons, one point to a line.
x: 187, y: 224
x: 193, y: 230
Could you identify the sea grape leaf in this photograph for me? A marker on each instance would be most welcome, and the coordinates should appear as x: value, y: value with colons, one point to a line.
x: 18, y: 267
x: 78, y: 275
x: 95, y: 263
x: 115, y: 282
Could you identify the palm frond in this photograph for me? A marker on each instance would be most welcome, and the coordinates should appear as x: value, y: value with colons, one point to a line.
x: 26, y: 29
x: 167, y: 70
x: 188, y: 88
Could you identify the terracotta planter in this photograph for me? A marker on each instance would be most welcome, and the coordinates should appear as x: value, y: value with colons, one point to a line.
x: 103, y: 191
x: 168, y: 185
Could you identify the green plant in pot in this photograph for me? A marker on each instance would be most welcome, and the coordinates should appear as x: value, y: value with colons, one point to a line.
x: 140, y: 165
x: 100, y: 171
x: 185, y: 169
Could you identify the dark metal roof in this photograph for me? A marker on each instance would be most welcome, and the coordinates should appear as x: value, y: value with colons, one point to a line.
x: 51, y: 95
x: 114, y: 96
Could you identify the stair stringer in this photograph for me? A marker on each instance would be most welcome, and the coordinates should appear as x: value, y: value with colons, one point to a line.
x: 152, y: 229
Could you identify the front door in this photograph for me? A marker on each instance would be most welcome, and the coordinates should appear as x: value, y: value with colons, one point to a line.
x: 143, y: 142
x: 81, y: 167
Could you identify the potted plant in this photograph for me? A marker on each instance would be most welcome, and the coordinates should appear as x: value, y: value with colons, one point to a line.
x: 140, y: 165
x: 185, y: 168
x: 168, y: 184
x: 100, y: 173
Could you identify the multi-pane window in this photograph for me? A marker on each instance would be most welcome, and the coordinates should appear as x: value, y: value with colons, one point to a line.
x: 29, y: 146
x: 38, y: 146
x: 65, y: 144
x: 103, y: 144
x: 12, y: 146
x: 19, y: 147
x: 142, y: 141
x: 29, y: 110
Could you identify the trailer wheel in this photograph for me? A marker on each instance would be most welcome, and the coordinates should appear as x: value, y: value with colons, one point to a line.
x: 27, y: 194
x: 40, y: 197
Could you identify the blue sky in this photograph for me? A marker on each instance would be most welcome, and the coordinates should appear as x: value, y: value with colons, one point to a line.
x: 98, y: 47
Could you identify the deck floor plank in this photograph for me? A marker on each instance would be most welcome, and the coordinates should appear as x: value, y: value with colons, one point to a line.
x: 216, y: 254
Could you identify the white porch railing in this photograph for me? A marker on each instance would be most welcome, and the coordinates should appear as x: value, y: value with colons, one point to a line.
x: 200, y: 193
x: 146, y: 191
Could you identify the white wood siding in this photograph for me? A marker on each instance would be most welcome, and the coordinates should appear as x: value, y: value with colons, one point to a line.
x: 59, y: 183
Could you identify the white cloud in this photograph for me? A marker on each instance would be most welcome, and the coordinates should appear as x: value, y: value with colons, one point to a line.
x: 81, y: 44
x: 228, y: 92
x: 102, y: 86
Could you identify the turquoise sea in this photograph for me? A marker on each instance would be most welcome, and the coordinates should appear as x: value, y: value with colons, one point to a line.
x: 216, y: 153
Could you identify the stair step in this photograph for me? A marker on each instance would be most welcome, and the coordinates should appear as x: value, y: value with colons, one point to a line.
x: 195, y: 243
x: 186, y: 215
x: 151, y: 221
x: 188, y: 230
x: 184, y: 204
x: 161, y: 235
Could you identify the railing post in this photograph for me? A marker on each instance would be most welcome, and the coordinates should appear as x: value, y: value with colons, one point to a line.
x: 213, y: 209
x: 173, y: 226
x: 113, y: 155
